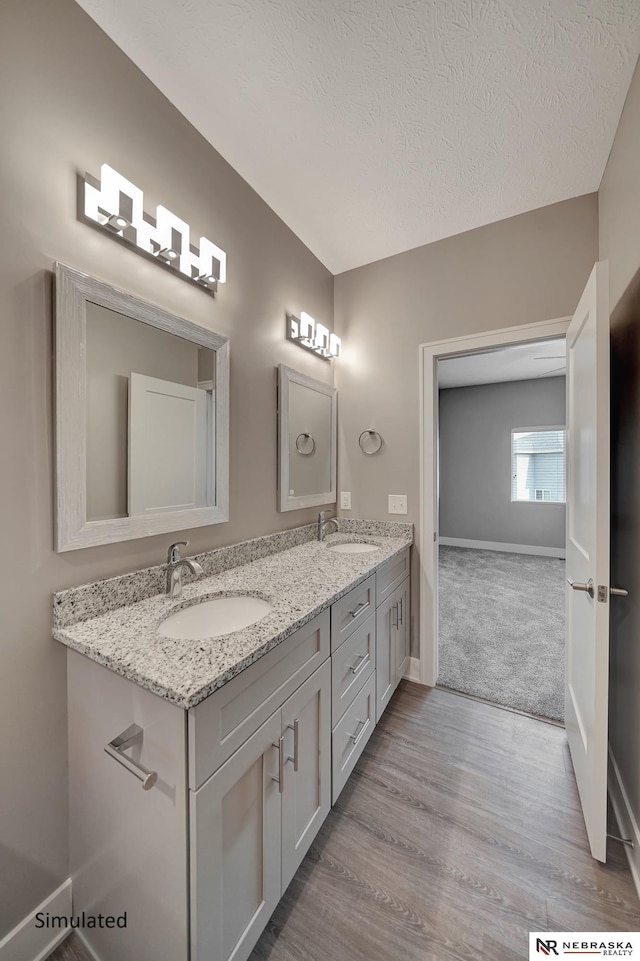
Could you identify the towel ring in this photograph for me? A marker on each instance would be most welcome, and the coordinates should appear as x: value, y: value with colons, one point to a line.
x: 305, y: 438
x: 375, y: 439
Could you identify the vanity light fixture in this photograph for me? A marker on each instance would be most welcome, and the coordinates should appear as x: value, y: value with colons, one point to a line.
x: 313, y: 336
x: 168, y: 253
x: 117, y: 222
x: 307, y: 328
x: 117, y: 205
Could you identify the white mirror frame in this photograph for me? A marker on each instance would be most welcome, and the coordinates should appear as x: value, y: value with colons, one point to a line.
x: 73, y: 290
x: 286, y: 501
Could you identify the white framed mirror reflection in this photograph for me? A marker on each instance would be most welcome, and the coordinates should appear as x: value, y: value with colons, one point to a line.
x: 142, y: 417
x: 307, y: 441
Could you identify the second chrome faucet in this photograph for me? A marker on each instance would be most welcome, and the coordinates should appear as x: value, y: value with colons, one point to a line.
x: 175, y: 567
x: 323, y: 524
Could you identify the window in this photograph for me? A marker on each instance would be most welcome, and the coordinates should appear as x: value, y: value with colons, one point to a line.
x: 538, y: 465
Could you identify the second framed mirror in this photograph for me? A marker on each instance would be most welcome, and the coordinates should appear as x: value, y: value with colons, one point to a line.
x: 307, y: 441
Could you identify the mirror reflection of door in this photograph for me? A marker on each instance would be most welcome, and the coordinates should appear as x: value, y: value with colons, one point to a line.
x: 309, y: 441
x: 150, y: 419
x: 168, y: 445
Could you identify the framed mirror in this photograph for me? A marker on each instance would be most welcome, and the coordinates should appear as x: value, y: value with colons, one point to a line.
x: 307, y: 439
x: 142, y: 417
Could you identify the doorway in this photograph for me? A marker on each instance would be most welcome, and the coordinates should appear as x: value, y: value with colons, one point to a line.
x: 430, y: 355
x: 588, y: 529
x: 501, y: 525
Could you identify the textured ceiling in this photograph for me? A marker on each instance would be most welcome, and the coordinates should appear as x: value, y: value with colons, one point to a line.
x: 375, y: 126
x: 519, y: 362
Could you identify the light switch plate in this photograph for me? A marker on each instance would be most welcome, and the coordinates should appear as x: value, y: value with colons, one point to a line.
x: 345, y: 500
x: 397, y: 503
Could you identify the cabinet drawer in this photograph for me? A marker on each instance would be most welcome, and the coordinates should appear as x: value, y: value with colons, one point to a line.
x: 219, y: 725
x: 352, y: 733
x: 351, y: 611
x: 391, y: 575
x: 351, y: 665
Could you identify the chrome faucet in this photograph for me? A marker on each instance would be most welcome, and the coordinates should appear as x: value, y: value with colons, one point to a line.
x: 323, y: 524
x: 175, y: 567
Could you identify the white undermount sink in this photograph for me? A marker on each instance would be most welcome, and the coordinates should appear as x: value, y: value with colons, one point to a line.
x: 353, y: 547
x: 212, y: 618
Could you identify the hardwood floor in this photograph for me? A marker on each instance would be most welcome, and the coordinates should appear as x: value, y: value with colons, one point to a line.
x: 71, y: 949
x: 458, y: 833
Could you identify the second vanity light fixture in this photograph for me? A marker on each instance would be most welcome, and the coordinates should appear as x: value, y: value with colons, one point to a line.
x: 117, y: 205
x: 317, y: 338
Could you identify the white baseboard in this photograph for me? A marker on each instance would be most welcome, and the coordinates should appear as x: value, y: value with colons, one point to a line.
x: 625, y: 817
x: 413, y: 670
x: 27, y: 942
x: 499, y: 546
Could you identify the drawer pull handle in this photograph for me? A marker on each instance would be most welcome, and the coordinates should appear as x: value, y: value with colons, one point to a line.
x: 115, y: 749
x: 279, y: 744
x: 295, y: 727
x: 394, y: 608
x: 401, y: 611
x: 359, y: 608
x: 361, y: 662
x: 359, y: 734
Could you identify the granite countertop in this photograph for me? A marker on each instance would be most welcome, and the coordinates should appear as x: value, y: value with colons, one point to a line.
x: 298, y: 582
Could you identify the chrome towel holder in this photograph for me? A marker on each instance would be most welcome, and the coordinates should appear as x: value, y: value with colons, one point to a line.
x: 375, y: 444
x: 132, y: 737
x: 306, y: 437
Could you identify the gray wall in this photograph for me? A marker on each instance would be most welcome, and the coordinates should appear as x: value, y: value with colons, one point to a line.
x: 620, y: 244
x: 71, y: 102
x: 475, y: 462
x: 518, y: 271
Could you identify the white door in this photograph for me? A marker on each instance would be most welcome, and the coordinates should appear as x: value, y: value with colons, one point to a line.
x: 587, y: 653
x: 169, y: 450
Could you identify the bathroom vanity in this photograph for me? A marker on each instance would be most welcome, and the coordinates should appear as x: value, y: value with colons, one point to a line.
x: 252, y: 736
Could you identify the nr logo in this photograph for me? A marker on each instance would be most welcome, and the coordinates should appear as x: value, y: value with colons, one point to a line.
x: 546, y: 947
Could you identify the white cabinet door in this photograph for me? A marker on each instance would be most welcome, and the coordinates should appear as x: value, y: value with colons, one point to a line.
x: 403, y: 634
x: 236, y: 850
x: 352, y: 733
x: 306, y: 797
x: 351, y: 665
x: 386, y: 624
x: 393, y: 639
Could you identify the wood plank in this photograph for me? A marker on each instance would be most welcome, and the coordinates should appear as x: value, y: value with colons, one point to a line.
x: 71, y: 949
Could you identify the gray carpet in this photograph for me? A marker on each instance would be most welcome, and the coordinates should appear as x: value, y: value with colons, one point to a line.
x: 501, y: 628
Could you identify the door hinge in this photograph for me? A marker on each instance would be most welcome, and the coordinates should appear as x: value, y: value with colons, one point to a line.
x: 602, y: 593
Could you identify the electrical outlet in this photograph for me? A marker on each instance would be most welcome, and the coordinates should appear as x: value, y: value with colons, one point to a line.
x: 397, y: 503
x: 345, y: 500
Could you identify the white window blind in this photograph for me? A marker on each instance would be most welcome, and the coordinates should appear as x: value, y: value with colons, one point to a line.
x: 538, y: 465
